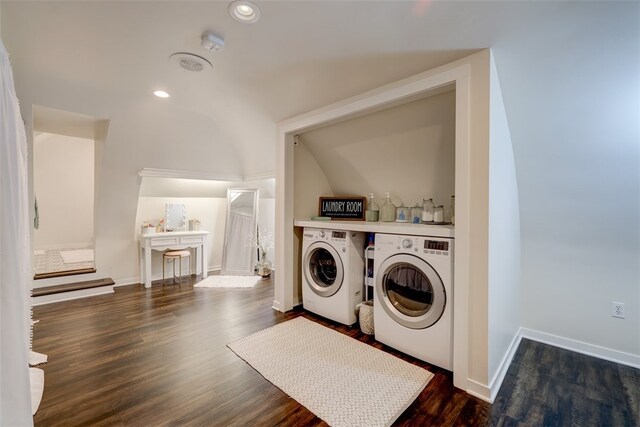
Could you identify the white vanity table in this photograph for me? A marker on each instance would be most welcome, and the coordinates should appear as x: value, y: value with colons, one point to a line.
x: 172, y: 240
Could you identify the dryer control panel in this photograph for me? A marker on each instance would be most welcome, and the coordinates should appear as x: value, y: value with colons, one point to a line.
x: 436, y: 247
x: 419, y: 245
x: 338, y: 234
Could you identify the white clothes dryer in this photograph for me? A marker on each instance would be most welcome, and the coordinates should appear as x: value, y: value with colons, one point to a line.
x: 332, y: 273
x: 413, y: 309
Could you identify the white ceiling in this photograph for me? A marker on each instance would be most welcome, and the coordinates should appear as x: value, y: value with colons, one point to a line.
x: 301, y: 55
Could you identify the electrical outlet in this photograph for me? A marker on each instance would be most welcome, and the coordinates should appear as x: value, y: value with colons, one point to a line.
x: 617, y: 309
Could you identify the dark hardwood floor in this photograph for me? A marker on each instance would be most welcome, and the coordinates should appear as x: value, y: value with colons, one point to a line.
x: 150, y: 357
x: 550, y: 386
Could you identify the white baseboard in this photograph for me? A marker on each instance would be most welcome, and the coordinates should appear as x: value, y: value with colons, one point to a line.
x: 136, y: 280
x: 479, y: 390
x: 127, y: 281
x: 489, y: 392
x: 278, y: 307
x: 605, y: 353
x: 71, y: 295
x: 498, y: 377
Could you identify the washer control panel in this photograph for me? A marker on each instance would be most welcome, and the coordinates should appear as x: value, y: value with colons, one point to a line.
x: 407, y: 243
x: 425, y: 245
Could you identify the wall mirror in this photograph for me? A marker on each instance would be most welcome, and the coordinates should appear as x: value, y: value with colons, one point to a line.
x: 175, y: 217
x: 238, y: 257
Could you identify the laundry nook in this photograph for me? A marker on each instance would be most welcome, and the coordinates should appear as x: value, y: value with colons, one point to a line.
x: 422, y: 271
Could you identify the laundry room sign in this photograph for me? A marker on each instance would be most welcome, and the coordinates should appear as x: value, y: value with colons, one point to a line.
x: 351, y: 208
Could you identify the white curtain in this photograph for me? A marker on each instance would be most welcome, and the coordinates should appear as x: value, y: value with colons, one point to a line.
x: 15, y: 270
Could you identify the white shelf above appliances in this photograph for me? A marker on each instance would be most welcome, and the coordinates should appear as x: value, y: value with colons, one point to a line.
x: 381, y: 227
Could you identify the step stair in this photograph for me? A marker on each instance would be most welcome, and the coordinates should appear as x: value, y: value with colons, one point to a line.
x: 68, y: 287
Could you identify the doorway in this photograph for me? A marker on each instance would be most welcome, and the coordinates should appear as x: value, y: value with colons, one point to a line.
x: 63, y: 180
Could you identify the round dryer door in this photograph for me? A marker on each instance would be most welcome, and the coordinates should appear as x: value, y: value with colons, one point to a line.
x: 323, y: 269
x: 410, y: 291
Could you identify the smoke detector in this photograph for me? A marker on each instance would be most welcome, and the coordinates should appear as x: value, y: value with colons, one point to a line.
x: 211, y: 41
x: 191, y: 62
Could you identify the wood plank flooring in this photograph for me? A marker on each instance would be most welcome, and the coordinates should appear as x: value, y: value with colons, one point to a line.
x: 153, y: 357
x: 550, y: 386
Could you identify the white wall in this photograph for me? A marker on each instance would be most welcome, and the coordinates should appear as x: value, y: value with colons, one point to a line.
x: 407, y: 150
x: 504, y: 237
x: 573, y: 103
x: 309, y: 181
x: 64, y: 186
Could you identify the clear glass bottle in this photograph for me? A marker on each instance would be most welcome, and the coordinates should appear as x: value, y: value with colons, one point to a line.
x: 438, y: 214
x: 402, y: 213
x: 373, y: 211
x: 452, y: 209
x: 387, y: 210
x: 416, y: 214
x: 427, y: 210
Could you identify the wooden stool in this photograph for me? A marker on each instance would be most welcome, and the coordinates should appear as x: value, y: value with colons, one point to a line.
x: 173, y: 256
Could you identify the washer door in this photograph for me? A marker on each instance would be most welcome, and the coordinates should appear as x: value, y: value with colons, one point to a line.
x: 410, y: 291
x: 323, y: 269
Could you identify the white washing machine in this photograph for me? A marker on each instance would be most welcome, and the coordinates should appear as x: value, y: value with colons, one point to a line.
x: 413, y: 309
x: 332, y: 273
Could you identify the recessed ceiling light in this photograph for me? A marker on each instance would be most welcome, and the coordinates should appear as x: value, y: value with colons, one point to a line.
x: 161, y: 94
x: 244, y: 11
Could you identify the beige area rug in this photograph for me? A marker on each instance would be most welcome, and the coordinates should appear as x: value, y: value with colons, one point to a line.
x: 338, y: 378
x: 228, y: 282
x: 80, y: 255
